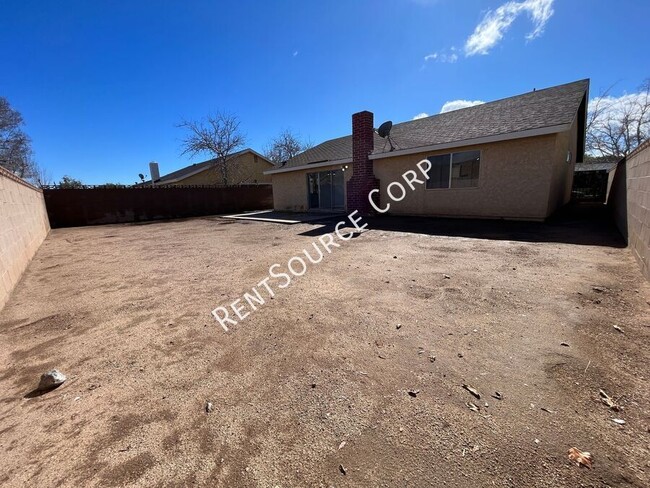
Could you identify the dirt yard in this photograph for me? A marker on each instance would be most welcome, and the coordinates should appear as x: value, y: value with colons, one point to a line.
x: 351, y: 376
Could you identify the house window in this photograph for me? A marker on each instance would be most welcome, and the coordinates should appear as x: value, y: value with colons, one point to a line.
x: 439, y: 172
x: 456, y: 170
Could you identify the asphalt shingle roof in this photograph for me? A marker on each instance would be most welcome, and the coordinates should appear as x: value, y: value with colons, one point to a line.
x: 594, y: 167
x: 549, y: 107
x: 181, y: 173
x: 192, y: 168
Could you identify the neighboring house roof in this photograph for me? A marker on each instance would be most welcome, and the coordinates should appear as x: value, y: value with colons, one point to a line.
x: 538, y: 112
x: 595, y: 166
x: 196, y: 168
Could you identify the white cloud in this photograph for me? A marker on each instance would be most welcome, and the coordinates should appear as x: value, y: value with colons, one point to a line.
x: 295, y: 53
x: 495, y: 23
x: 458, y: 104
x: 421, y: 115
x: 443, y: 56
x: 625, y: 117
x: 618, y: 107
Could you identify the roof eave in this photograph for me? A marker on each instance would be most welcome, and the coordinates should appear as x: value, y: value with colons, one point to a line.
x: 309, y: 166
x: 476, y: 141
x: 555, y: 129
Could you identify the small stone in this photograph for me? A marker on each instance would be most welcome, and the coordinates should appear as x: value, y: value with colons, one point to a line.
x: 343, y: 470
x: 446, y: 276
x: 398, y: 326
x: 432, y: 358
x: 413, y: 393
x: 51, y: 380
x: 208, y: 407
x: 460, y: 354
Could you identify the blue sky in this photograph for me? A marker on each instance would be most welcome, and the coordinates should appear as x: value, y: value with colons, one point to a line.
x: 102, y: 84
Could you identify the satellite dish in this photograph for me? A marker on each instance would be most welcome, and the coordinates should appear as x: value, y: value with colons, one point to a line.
x: 141, y: 176
x: 384, y: 132
x: 384, y: 129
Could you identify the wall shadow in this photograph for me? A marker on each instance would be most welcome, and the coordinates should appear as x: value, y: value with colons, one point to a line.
x: 581, y: 223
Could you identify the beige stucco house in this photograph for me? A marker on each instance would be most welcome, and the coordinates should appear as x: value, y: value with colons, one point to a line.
x: 512, y: 158
x: 244, y: 167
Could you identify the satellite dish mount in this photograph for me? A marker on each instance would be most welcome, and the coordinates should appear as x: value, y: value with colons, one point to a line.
x: 384, y: 133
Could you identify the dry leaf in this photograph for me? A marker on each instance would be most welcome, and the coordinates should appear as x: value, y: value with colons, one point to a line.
x: 580, y: 458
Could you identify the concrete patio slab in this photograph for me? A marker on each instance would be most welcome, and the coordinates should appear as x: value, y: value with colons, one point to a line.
x: 282, y: 217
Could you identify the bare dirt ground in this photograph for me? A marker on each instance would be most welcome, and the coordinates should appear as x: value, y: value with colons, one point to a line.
x: 124, y: 311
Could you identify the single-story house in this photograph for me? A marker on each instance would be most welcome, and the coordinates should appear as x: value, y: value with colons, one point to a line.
x: 244, y: 167
x: 512, y: 158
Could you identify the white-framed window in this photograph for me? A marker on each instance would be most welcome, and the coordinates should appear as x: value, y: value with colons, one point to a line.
x: 454, y: 170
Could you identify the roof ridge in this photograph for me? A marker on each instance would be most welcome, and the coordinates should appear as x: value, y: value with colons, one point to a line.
x: 548, y: 107
x: 499, y: 100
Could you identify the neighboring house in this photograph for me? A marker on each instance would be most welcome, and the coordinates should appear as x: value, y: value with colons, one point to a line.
x: 245, y: 166
x: 512, y: 158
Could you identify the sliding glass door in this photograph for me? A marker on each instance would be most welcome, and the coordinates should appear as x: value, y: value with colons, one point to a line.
x: 326, y: 190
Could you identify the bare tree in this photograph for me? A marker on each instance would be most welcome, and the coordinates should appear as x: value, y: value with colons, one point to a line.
x: 42, y: 177
x: 218, y: 136
x: 285, y: 146
x: 616, y: 126
x: 15, y: 145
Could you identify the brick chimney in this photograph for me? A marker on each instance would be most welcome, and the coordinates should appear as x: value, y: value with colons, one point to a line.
x: 363, y: 177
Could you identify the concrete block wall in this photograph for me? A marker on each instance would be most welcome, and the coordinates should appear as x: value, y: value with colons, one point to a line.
x: 638, y: 205
x: 23, y: 227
